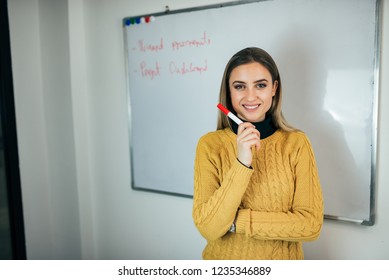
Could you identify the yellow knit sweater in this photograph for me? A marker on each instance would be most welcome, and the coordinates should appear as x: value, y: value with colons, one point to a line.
x: 277, y: 204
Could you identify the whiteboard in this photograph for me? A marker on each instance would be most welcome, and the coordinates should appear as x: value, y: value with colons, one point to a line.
x: 327, y: 54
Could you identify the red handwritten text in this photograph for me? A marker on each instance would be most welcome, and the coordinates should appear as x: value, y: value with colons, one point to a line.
x: 203, y: 41
x: 150, y: 47
x: 184, y: 68
x: 150, y: 72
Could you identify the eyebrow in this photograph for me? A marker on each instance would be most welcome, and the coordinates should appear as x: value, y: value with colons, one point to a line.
x: 258, y: 81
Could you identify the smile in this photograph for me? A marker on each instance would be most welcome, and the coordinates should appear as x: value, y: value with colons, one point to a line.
x: 251, y: 107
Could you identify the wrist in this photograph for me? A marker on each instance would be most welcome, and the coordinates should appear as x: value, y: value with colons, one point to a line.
x: 246, y: 165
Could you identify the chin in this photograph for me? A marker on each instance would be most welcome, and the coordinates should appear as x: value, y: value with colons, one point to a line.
x: 253, y: 119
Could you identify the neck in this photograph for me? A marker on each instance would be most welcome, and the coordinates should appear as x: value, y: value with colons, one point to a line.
x: 265, y: 127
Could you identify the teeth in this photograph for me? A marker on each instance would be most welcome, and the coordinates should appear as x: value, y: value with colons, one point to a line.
x: 251, y: 107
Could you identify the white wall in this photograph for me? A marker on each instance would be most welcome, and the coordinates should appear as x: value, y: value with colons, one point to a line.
x: 40, y: 54
x: 71, y: 106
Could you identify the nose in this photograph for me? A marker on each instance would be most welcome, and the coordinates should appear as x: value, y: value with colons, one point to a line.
x: 251, y: 94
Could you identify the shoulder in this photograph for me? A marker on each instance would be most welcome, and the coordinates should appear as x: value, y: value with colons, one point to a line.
x: 298, y: 145
x: 218, y: 136
x: 293, y: 142
x: 216, y: 139
x: 296, y: 137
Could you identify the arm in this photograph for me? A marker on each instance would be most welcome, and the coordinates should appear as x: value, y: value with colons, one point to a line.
x: 217, y: 196
x: 304, y: 219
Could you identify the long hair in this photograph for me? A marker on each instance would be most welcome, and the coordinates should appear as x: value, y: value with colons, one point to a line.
x: 246, y: 56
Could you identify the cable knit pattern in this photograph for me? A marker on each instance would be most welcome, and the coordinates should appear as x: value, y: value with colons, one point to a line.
x: 278, y: 203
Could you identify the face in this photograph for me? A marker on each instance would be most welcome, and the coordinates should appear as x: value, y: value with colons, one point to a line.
x: 252, y: 91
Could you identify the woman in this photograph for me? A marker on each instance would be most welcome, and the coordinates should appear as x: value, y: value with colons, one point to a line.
x: 257, y: 193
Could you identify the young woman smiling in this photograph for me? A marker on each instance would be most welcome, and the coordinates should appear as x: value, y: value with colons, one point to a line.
x: 257, y: 192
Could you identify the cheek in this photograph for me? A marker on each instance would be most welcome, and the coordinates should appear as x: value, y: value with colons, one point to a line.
x: 270, y: 99
x: 234, y: 101
x: 233, y: 95
x: 270, y: 102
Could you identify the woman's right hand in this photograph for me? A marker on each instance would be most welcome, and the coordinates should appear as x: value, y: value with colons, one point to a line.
x: 247, y: 137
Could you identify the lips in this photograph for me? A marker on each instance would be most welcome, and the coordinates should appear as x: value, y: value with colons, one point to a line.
x: 251, y: 107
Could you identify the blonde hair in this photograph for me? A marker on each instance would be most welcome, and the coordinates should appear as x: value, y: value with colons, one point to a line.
x: 245, y: 56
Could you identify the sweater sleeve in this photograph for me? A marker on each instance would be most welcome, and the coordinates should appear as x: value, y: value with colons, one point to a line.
x: 304, y: 219
x: 215, y: 201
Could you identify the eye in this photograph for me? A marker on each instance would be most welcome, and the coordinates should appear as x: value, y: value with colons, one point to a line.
x: 239, y: 86
x: 261, y: 85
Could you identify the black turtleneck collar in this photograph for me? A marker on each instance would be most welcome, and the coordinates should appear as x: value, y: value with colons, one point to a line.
x: 265, y: 127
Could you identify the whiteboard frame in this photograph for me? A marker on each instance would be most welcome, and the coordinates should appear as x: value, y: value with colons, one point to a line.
x: 376, y: 75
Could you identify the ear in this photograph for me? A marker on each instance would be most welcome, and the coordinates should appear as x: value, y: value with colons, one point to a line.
x: 275, y: 86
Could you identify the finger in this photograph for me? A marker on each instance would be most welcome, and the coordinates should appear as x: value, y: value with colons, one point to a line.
x: 244, y: 126
x: 249, y: 140
x: 254, y: 137
x: 249, y: 145
x: 251, y: 131
x: 254, y: 134
x: 247, y: 130
x: 256, y: 145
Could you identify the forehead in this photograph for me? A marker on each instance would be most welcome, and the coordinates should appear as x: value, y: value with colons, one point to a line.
x: 250, y: 71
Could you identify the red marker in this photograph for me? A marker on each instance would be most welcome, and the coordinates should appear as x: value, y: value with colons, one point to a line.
x: 229, y: 114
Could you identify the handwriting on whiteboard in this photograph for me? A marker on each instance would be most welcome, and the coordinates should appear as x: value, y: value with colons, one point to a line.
x: 186, y: 68
x: 149, y: 47
x: 175, y: 68
x: 150, y: 71
x: 154, y: 69
x: 203, y: 41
